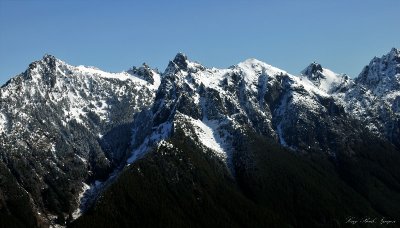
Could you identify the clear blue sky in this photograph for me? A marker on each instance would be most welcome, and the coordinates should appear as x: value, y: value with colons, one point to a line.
x: 342, y: 35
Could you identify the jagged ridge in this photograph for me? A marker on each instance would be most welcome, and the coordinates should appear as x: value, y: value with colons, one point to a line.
x: 82, y: 117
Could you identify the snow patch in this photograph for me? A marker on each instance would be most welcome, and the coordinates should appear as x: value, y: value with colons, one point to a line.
x: 207, y: 133
x: 253, y: 68
x: 78, y: 212
x: 157, y: 80
x: 81, y: 158
x: 159, y: 133
x: 123, y: 76
x: 330, y: 81
x: 165, y: 144
x: 3, y: 123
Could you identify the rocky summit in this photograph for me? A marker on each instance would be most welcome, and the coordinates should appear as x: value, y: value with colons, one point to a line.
x: 247, y: 146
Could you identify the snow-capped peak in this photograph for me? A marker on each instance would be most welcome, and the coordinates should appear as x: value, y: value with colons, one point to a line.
x: 252, y: 69
x: 181, y: 63
x: 313, y: 71
x: 181, y: 60
x: 146, y: 73
x: 259, y: 66
x: 51, y: 61
x: 394, y: 52
x: 382, y: 74
x: 48, y: 57
x: 323, y: 78
x: 47, y: 60
x: 49, y: 69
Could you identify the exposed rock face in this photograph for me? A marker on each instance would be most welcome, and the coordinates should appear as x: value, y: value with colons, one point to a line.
x: 382, y: 74
x: 55, y: 122
x: 374, y: 96
x: 251, y: 95
x: 63, y: 127
x: 144, y: 72
x: 325, y: 79
x: 288, y: 142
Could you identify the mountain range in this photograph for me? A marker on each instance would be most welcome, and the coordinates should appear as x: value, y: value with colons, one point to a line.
x: 246, y: 146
